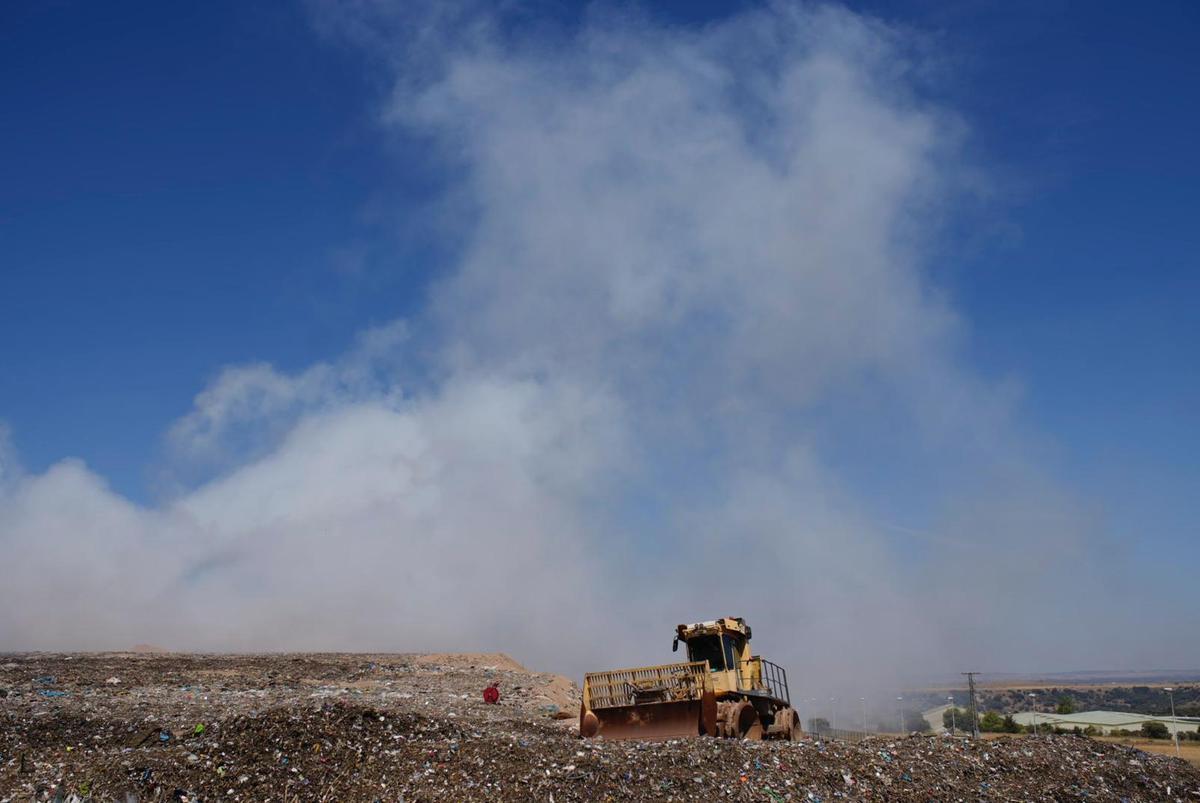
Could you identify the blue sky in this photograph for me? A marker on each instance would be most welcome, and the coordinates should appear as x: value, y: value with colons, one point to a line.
x: 184, y: 189
x: 189, y: 188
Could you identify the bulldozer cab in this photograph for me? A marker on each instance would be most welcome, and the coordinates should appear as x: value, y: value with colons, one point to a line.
x: 721, y: 652
x: 724, y: 646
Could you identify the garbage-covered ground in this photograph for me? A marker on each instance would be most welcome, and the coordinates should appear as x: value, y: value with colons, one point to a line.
x: 416, y: 728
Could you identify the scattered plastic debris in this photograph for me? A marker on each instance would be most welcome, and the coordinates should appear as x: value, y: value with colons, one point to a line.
x: 410, y: 728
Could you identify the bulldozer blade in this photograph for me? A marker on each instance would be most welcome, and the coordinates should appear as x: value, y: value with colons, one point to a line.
x: 649, y: 721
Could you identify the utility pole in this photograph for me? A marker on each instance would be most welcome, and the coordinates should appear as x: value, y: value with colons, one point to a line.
x: 1174, y: 722
x: 900, y: 712
x: 974, y: 709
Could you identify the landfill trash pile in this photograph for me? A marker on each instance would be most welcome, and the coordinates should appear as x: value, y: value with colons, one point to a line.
x: 417, y: 728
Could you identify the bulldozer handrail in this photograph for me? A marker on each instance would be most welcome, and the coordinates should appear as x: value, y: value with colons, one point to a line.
x: 773, y: 678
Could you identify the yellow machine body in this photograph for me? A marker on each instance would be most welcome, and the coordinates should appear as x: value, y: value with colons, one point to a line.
x: 722, y: 690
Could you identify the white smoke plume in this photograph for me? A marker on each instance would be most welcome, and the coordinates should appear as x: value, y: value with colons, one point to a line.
x: 686, y: 362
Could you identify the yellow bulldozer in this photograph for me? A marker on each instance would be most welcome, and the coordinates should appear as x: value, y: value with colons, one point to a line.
x: 721, y: 690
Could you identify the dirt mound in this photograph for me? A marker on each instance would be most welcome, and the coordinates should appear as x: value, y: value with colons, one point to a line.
x: 469, y: 660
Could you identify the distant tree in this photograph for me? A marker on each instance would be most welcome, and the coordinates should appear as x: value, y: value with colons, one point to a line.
x: 1066, y: 705
x: 959, y: 717
x: 818, y: 725
x: 1092, y: 730
x: 1155, y: 730
x: 991, y: 722
x: 1009, y: 725
x: 915, y: 722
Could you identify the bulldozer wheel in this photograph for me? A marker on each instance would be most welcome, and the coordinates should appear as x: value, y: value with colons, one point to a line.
x: 725, y: 723
x: 746, y: 722
x: 792, y: 732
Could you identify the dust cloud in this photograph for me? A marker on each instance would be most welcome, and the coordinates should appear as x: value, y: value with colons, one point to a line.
x: 686, y: 360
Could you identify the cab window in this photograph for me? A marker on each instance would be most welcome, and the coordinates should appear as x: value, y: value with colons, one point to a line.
x: 730, y: 652
x: 707, y: 648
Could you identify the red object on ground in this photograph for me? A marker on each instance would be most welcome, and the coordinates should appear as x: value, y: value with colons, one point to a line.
x: 491, y: 695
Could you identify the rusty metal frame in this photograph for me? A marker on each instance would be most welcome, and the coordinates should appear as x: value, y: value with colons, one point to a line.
x: 646, y: 684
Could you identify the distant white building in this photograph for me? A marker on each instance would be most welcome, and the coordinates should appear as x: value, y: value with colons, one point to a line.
x: 1105, y: 720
